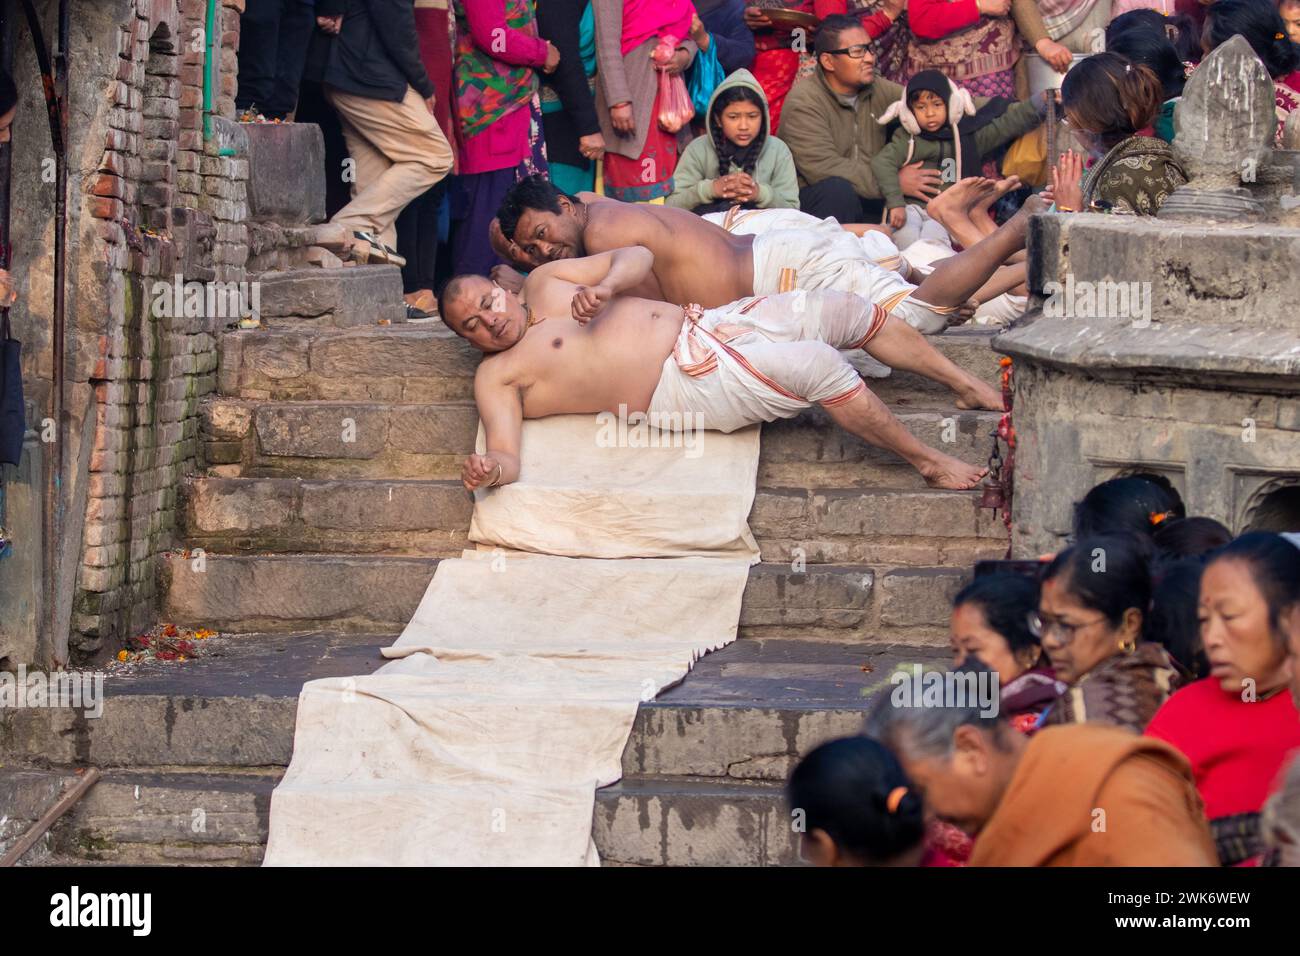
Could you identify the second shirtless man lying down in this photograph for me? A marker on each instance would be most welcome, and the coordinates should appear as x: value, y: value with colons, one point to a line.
x: 571, y: 343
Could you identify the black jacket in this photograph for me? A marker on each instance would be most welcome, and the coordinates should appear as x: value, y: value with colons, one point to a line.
x: 376, y: 54
x: 725, y: 21
x: 558, y: 21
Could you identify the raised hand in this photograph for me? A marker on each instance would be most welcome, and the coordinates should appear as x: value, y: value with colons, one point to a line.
x: 589, y: 300
x: 1065, y: 182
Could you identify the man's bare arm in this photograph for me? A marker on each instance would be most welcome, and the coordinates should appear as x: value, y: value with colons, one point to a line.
x: 598, y: 278
x: 502, y: 412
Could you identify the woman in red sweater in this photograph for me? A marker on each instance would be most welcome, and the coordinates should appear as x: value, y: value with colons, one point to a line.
x: 976, y: 43
x: 1238, y: 725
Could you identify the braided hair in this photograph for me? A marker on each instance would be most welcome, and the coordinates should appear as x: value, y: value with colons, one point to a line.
x: 729, y: 153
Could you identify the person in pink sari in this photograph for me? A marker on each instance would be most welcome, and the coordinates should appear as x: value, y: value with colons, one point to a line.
x: 640, y: 155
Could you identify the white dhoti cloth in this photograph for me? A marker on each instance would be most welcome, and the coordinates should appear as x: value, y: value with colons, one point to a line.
x: 812, y: 259
x: 873, y: 245
x: 1001, y: 310
x: 764, y: 358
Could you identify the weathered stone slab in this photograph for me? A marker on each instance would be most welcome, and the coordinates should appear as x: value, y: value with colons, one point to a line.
x: 353, y: 296
x: 286, y: 172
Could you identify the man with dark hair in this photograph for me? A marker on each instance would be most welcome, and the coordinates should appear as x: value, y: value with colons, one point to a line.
x: 698, y: 261
x: 758, y: 359
x: 831, y: 124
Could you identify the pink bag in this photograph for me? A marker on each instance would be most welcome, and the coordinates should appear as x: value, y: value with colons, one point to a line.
x: 675, y: 109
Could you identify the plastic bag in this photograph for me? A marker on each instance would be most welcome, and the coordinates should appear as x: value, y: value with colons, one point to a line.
x: 706, y: 75
x: 675, y: 109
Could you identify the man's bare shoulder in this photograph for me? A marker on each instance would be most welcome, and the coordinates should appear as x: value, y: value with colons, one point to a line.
x: 497, y: 370
x: 613, y: 225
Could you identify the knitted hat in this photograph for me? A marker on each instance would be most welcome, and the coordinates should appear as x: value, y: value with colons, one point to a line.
x: 959, y: 100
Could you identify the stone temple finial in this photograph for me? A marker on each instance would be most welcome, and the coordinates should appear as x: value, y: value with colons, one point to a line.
x: 1223, y: 133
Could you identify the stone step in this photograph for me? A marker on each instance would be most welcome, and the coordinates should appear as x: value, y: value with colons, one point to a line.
x: 682, y: 821
x: 414, y: 516
x: 429, y: 363
x: 178, y: 818
x: 333, y: 298
x: 319, y: 439
x: 192, y: 751
x: 746, y: 712
x: 360, y: 593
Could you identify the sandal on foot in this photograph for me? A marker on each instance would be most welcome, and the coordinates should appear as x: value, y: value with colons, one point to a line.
x: 376, y: 251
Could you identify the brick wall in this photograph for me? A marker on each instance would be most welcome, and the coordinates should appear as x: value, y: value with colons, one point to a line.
x: 165, y: 201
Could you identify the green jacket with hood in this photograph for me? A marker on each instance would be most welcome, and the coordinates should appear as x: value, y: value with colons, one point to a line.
x: 1019, y: 119
x: 774, y: 172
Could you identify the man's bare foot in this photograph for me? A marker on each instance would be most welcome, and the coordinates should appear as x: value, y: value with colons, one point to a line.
x: 979, y: 208
x: 977, y: 394
x: 950, y: 208
x: 944, y: 471
x: 958, y: 197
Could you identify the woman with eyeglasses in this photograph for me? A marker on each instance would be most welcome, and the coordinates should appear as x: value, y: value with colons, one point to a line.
x: 1111, y: 106
x: 1237, y: 726
x: 1090, y: 619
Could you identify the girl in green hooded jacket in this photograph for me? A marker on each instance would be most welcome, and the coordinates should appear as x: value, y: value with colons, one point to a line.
x: 737, y: 162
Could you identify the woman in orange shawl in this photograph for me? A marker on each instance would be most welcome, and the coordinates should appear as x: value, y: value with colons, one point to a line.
x: 1083, y: 795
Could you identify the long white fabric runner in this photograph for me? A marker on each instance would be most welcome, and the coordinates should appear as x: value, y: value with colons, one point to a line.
x: 601, y: 577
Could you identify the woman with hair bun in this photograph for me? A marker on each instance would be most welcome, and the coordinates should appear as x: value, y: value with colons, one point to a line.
x: 857, y: 806
x: 1111, y: 105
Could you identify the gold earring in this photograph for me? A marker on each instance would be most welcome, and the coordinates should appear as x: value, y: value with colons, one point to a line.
x: 1128, y: 646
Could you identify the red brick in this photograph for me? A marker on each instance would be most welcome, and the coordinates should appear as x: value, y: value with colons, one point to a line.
x: 112, y: 162
x: 102, y: 207
x: 107, y: 185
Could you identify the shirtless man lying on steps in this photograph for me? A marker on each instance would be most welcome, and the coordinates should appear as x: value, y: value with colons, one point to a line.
x: 697, y: 261
x: 759, y: 359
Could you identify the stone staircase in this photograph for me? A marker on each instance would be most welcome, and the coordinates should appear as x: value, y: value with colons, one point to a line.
x: 329, y: 498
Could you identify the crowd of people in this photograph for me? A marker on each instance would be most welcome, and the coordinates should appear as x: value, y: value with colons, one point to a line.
x: 865, y: 111
x: 685, y: 164
x: 1149, y: 676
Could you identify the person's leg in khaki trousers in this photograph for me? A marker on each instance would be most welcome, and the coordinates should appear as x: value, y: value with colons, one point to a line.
x: 398, y: 151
